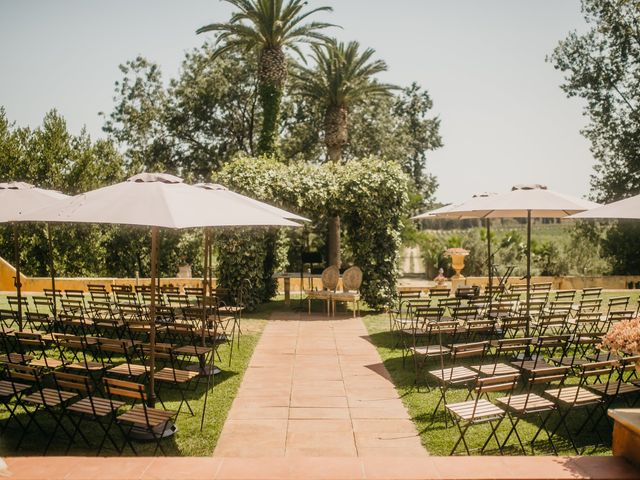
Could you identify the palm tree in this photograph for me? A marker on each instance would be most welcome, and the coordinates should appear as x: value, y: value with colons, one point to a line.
x: 343, y: 77
x: 267, y: 28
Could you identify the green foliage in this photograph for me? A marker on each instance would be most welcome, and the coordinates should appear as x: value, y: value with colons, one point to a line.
x: 549, y: 259
x: 266, y: 28
x: 602, y: 66
x: 622, y: 249
x: 369, y: 195
x: 373, y: 200
x: 270, y: 99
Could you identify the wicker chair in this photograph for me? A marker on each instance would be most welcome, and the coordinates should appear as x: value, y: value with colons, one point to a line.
x: 330, y: 278
x: 351, y: 281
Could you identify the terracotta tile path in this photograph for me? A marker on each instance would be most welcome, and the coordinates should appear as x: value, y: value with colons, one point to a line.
x: 317, y: 388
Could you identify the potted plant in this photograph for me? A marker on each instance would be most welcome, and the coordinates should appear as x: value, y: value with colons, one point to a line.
x: 624, y: 337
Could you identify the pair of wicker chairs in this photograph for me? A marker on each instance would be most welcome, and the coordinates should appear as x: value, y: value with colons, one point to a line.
x: 351, y: 281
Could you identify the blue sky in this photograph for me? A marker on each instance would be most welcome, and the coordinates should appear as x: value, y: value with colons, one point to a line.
x: 504, y: 118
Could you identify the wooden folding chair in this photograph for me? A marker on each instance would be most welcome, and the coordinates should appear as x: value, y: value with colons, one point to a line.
x: 151, y: 421
x: 481, y: 411
x: 574, y: 398
x: 531, y: 403
x: 91, y: 407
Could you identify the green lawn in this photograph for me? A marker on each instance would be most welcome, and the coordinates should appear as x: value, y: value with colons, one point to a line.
x: 189, y: 441
x: 439, y: 439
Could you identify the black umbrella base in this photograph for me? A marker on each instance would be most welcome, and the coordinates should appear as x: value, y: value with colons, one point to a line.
x: 206, y: 371
x: 145, y: 434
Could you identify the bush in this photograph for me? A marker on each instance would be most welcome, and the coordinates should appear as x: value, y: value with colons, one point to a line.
x: 369, y: 195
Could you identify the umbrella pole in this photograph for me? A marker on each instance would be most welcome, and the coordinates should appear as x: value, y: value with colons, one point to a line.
x: 152, y: 315
x: 52, y: 270
x: 489, y: 262
x: 528, y: 270
x: 16, y: 246
x: 205, y: 280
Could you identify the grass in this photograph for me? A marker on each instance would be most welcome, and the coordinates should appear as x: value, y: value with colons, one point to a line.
x: 189, y: 440
x: 439, y: 439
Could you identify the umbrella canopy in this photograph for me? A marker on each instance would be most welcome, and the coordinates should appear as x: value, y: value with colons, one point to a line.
x: 157, y: 200
x: 431, y: 214
x: 627, y: 209
x: 224, y: 194
x: 17, y: 199
x: 522, y: 201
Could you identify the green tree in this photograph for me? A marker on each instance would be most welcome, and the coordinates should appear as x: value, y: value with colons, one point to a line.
x: 266, y: 28
x: 602, y: 66
x: 343, y: 76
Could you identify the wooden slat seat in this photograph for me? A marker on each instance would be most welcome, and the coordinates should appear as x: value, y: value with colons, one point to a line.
x: 454, y: 374
x: 495, y: 369
x: 171, y: 375
x: 15, y: 358
x: 612, y: 388
x: 49, y: 397
x: 568, y: 395
x: 89, y: 366
x: 8, y: 389
x: 130, y: 369
x: 47, y: 363
x: 520, y: 404
x: 154, y: 418
x: 193, y: 350
x: 484, y: 410
x: 101, y: 406
x: 430, y: 350
x: 529, y: 365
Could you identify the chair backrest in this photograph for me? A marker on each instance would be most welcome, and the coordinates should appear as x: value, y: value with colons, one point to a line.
x: 22, y: 373
x: 193, y: 291
x: 330, y: 277
x: 170, y: 289
x: 100, y: 296
x: 594, y: 292
x: 467, y: 350
x: 618, y: 303
x: 467, y: 312
x: 72, y: 382
x: 542, y: 286
x: 43, y: 304
x: 352, y: 279
x: 512, y: 345
x: 439, y: 292
x: 590, y: 305
x: 518, y: 287
x: 77, y: 294
x: 14, y: 302
x: 72, y: 305
x: 126, y: 297
x: 619, y: 315
x: 496, y: 383
x: 121, y: 288
x: 560, y: 307
x: 122, y: 388
x: 565, y: 295
x: 96, y: 288
x: 512, y: 325
x: 540, y: 376
x: 423, y: 314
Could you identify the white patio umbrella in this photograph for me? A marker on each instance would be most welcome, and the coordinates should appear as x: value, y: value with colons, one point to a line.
x: 450, y: 211
x: 222, y: 192
x: 16, y: 200
x: 158, y: 201
x: 523, y: 201
x: 627, y: 209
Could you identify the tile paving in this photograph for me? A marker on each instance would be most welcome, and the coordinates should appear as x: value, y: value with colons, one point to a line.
x: 317, y: 388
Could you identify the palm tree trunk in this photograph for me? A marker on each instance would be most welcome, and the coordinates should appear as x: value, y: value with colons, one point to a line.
x: 272, y: 75
x: 335, y: 137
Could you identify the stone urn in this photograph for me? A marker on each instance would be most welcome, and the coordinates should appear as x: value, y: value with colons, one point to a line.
x: 457, y: 260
